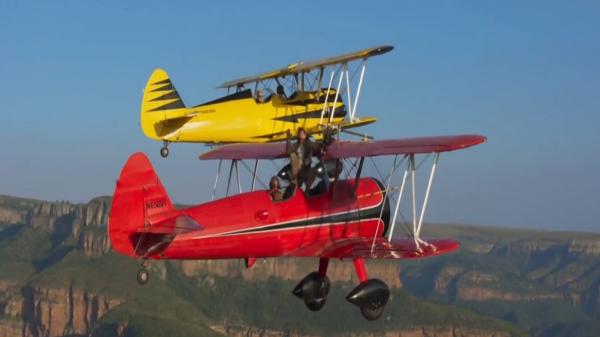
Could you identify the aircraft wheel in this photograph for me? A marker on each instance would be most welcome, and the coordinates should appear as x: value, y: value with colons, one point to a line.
x: 164, y: 152
x: 371, y: 297
x: 315, y: 304
x: 313, y: 289
x: 143, y: 276
x: 372, y: 313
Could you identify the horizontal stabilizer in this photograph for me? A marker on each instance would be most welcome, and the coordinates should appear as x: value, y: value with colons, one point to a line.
x: 178, y: 224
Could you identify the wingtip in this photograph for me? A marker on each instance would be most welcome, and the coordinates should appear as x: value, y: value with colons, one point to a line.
x: 381, y: 50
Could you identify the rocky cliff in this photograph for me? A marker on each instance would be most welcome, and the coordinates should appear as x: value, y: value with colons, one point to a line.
x: 62, y: 311
x: 44, y: 241
x: 48, y: 215
x: 424, y: 331
x: 62, y: 220
x: 292, y: 269
x: 86, y: 223
x: 510, y: 272
x: 57, y: 311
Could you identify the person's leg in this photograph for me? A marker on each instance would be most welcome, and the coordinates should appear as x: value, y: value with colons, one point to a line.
x: 310, y: 174
x: 295, y: 161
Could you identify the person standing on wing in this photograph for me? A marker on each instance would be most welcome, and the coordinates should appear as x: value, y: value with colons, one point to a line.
x: 300, y: 153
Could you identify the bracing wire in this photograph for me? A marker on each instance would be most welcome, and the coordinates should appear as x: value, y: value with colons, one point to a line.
x: 251, y: 172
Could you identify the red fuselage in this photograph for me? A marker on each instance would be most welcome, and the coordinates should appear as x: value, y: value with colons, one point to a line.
x: 252, y: 225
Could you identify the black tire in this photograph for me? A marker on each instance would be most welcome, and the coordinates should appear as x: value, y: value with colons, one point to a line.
x: 142, y: 276
x: 315, y: 304
x: 313, y: 289
x: 164, y: 152
x: 372, y: 313
x: 316, y: 301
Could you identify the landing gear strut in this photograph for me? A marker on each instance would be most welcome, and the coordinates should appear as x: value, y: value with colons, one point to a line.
x: 313, y: 289
x: 164, y: 151
x: 371, y: 295
x: 142, y: 275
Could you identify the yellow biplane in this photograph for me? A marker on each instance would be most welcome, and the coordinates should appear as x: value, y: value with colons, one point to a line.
x: 300, y: 99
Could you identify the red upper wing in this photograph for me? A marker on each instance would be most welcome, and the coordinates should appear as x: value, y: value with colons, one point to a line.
x: 402, y: 146
x: 246, y: 151
x: 351, y: 149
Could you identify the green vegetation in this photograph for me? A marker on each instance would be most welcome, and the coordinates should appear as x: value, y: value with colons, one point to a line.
x: 528, y: 282
x: 271, y: 305
x: 19, y: 249
x: 19, y: 204
x: 533, y: 279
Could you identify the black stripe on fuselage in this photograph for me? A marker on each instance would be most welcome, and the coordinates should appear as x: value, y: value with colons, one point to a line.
x: 245, y: 94
x: 352, y: 216
x: 293, y: 118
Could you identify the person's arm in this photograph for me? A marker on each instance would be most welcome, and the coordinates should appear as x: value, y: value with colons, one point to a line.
x: 289, y: 191
x: 317, y: 146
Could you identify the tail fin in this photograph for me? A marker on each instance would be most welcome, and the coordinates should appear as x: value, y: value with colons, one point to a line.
x: 160, y: 97
x: 140, y: 200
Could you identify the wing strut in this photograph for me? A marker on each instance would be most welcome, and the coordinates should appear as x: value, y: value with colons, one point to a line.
x: 426, y: 199
x: 234, y: 165
x: 385, y: 197
x: 216, y: 181
x: 237, y: 173
x: 337, y: 94
x: 413, y: 172
x: 360, y: 83
x: 327, y: 97
x: 397, y: 209
x: 417, y: 215
x: 254, y: 174
x: 358, y: 172
x: 229, y: 179
x: 348, y: 91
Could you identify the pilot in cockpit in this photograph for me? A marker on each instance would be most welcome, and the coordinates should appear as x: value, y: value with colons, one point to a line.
x: 260, y: 96
x: 281, y: 92
x: 275, y: 190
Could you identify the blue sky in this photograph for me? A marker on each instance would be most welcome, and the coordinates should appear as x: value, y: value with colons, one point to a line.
x: 525, y: 74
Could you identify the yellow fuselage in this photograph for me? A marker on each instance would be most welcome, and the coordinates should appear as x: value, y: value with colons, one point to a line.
x: 245, y: 120
x: 237, y: 118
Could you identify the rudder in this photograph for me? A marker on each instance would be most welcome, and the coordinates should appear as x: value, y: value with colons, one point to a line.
x: 139, y: 200
x: 160, y: 97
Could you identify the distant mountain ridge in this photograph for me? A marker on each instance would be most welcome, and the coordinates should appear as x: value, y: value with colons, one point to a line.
x: 59, y: 278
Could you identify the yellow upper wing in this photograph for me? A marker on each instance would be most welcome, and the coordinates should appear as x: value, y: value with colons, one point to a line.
x: 302, y: 67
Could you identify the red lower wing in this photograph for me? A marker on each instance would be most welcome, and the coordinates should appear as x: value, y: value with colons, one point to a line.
x: 400, y: 248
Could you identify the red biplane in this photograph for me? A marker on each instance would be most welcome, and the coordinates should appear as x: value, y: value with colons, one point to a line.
x: 348, y: 218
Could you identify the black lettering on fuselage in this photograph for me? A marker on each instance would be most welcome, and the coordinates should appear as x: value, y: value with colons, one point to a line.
x: 156, y: 203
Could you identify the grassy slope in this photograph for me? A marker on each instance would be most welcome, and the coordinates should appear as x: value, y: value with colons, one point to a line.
x: 192, y: 304
x: 526, y: 274
x: 196, y: 303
